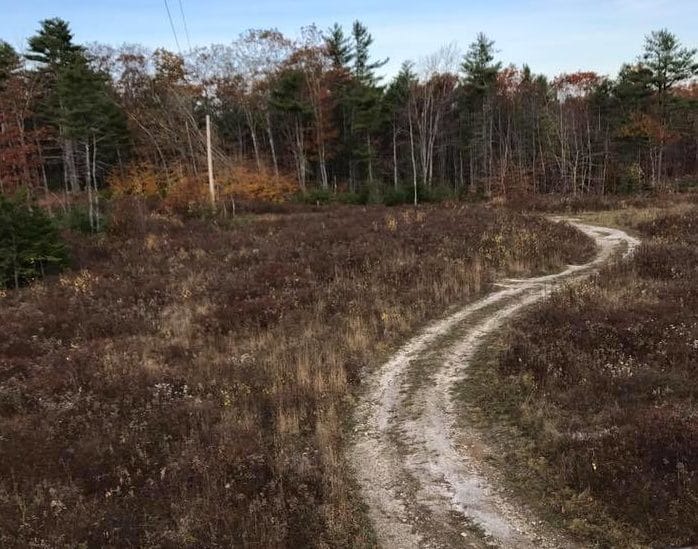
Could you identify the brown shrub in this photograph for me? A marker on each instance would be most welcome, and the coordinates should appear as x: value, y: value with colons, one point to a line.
x: 185, y: 384
x: 602, y: 383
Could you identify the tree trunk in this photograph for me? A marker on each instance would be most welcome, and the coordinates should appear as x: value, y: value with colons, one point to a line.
x: 94, y: 180
x: 300, y: 155
x: 395, y: 173
x: 414, y: 161
x: 69, y: 160
x: 191, y: 149
x: 88, y: 184
x: 370, y: 162
x: 272, y: 146
x: 253, y: 134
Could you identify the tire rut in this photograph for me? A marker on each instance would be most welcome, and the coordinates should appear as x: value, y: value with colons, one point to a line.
x: 420, y: 476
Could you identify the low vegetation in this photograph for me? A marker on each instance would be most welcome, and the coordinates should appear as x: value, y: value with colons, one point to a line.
x: 592, y: 400
x: 185, y: 384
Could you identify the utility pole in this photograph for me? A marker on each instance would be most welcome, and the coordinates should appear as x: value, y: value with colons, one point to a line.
x: 211, y: 184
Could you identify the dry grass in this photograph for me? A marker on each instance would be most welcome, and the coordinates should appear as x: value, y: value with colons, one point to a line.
x: 633, y: 217
x: 186, y: 384
x: 594, y: 396
x: 614, y: 205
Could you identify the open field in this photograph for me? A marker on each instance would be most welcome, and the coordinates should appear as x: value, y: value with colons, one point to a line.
x: 186, y: 384
x: 591, y: 402
x: 282, y: 281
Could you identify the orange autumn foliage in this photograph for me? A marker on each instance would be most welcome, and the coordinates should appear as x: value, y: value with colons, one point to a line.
x: 183, y: 191
x: 250, y: 184
x: 648, y: 127
x: 137, y: 180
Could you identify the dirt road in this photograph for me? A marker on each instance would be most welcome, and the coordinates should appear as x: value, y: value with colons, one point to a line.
x: 422, y: 478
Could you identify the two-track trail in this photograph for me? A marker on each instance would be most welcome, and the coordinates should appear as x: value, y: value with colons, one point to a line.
x: 421, y: 476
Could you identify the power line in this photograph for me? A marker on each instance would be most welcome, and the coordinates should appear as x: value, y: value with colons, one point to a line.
x: 184, y: 20
x: 169, y: 16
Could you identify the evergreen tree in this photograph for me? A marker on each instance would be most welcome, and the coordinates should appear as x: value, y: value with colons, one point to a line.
x: 88, y: 108
x: 396, y: 112
x: 667, y: 60
x: 480, y: 70
x: 9, y: 62
x: 52, y: 47
x: 668, y: 63
x: 633, y: 87
x: 289, y: 99
x: 399, y: 89
x: 77, y: 102
x: 479, y: 79
x: 364, y: 102
x: 364, y: 69
x: 90, y: 116
x: 30, y: 245
x: 52, y: 50
x: 339, y: 47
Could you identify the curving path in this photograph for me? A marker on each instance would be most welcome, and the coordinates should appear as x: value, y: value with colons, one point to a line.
x: 423, y: 479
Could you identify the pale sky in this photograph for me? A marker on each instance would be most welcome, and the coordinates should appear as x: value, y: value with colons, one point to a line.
x: 552, y: 36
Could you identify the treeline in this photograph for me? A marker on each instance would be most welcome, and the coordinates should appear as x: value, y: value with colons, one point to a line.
x: 313, y: 113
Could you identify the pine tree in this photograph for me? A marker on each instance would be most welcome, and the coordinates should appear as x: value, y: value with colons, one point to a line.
x: 364, y: 69
x: 9, y: 62
x: 480, y: 70
x: 30, y: 245
x: 363, y: 100
x: 668, y: 61
x: 396, y: 112
x: 77, y: 103
x: 339, y: 47
x: 633, y: 87
x: 90, y: 117
x: 289, y: 98
x: 479, y: 80
x: 52, y: 47
x: 53, y: 50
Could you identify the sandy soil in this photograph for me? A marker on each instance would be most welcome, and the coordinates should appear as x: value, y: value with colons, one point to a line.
x: 425, y: 481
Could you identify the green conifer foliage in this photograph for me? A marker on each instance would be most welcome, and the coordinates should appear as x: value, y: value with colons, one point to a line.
x: 30, y: 245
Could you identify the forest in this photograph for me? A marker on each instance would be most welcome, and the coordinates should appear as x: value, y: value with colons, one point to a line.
x: 313, y: 115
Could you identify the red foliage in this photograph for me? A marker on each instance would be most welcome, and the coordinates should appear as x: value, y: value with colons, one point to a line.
x: 576, y: 84
x: 19, y: 153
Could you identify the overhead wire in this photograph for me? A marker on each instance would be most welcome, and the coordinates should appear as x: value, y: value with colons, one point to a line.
x: 186, y: 27
x: 174, y: 32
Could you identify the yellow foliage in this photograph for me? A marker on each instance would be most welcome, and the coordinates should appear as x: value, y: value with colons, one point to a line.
x: 646, y: 126
x: 137, y: 180
x: 181, y: 191
x: 187, y: 192
x: 250, y: 184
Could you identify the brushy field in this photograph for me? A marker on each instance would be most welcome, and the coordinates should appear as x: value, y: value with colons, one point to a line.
x: 594, y: 396
x: 626, y: 207
x: 187, y: 384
